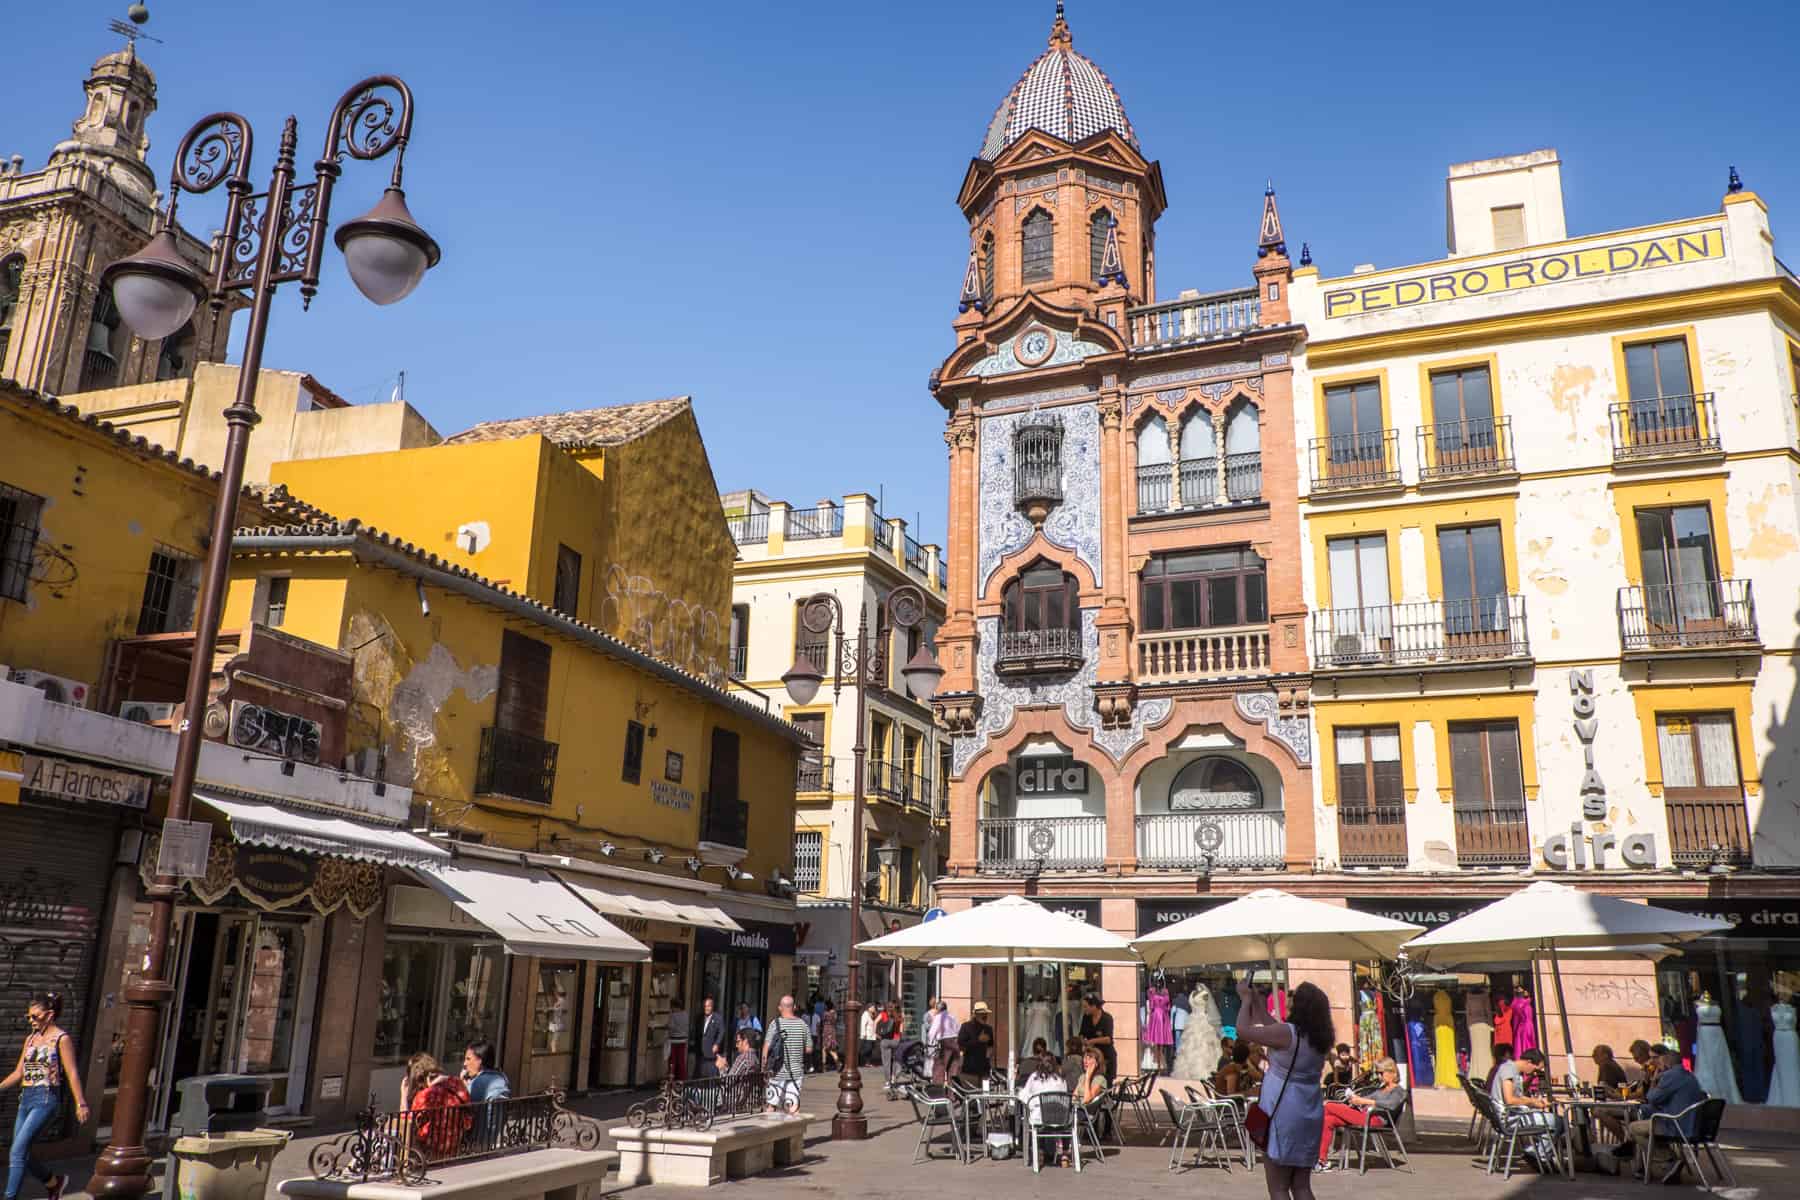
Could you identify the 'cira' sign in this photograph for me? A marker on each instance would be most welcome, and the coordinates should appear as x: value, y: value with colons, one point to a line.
x: 1052, y: 775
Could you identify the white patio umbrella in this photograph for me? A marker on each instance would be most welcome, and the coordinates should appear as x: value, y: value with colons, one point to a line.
x: 1009, y: 931
x: 1547, y: 918
x: 1272, y: 924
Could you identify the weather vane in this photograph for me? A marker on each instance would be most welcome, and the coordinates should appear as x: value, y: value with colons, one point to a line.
x: 131, y: 32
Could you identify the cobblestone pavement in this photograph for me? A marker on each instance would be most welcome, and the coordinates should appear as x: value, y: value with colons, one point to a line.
x: 881, y: 1168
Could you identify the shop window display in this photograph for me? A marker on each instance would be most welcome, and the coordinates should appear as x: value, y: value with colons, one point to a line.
x: 409, y: 980
x: 553, y: 1004
x: 1211, y: 1004
x: 1438, y: 1026
x: 1728, y: 1003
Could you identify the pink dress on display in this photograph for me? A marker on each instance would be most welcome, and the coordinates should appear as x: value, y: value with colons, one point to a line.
x: 1159, y: 1026
x: 1524, y: 1024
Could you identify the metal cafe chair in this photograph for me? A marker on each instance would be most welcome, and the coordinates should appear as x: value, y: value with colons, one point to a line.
x: 1201, y: 1120
x: 1708, y: 1114
x: 935, y: 1113
x: 1381, y: 1128
x: 1231, y: 1117
x: 1055, y: 1113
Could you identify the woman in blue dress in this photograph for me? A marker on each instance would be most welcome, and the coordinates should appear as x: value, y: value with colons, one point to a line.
x: 1292, y: 1094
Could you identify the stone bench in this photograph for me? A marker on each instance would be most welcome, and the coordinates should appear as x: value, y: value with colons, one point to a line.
x: 533, y: 1175
x: 734, y: 1148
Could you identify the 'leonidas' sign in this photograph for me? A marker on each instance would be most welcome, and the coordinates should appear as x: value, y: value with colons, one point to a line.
x: 1459, y: 283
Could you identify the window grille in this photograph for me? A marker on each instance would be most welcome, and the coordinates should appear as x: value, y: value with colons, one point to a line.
x: 19, y: 511
x: 170, y: 589
x: 809, y: 860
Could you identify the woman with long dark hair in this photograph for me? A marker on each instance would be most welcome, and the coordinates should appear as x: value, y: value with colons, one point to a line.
x: 1291, y: 1093
x: 46, y: 1062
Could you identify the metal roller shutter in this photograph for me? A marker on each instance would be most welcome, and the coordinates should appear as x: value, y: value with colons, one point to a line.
x: 53, y: 878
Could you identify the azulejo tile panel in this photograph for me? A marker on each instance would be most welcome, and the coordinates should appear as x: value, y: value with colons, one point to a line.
x: 1074, y: 525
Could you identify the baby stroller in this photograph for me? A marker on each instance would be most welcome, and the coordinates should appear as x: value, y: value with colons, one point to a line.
x: 909, y: 1068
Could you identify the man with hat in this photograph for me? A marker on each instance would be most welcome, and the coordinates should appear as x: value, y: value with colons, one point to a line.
x: 976, y: 1042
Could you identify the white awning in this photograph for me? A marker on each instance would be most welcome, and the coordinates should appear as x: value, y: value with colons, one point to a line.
x: 533, y: 913
x: 621, y: 898
x: 257, y: 824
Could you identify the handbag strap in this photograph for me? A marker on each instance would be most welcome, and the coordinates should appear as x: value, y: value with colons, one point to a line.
x: 1287, y: 1075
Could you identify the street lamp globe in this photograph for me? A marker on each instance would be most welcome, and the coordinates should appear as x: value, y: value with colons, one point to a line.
x: 802, y: 680
x: 386, y: 250
x: 156, y: 290
x: 922, y: 673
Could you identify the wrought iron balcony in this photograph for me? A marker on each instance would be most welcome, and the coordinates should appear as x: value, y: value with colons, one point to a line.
x: 825, y: 521
x: 740, y: 658
x: 1031, y: 844
x: 1353, y: 461
x: 1037, y: 465
x: 1687, y: 616
x: 1189, y: 655
x: 1194, y: 319
x: 515, y: 765
x: 1200, y: 481
x: 1155, y: 487
x: 1424, y: 633
x: 814, y: 775
x: 1221, y: 840
x: 915, y: 554
x: 1371, y: 835
x: 1243, y: 477
x: 1492, y: 837
x: 1708, y: 826
x: 1465, y: 449
x: 750, y: 529
x: 1664, y: 427
x: 884, y: 779
x: 1035, y: 651
x: 724, y: 821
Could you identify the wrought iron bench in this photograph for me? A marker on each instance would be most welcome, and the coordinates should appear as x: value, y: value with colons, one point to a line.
x: 409, y: 1148
x: 697, y: 1103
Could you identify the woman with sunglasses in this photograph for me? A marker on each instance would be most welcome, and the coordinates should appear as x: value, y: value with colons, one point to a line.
x: 47, y: 1060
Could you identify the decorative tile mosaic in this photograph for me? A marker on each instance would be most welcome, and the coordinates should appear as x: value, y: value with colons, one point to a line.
x: 1064, y: 94
x: 1073, y: 525
x: 1074, y: 391
x: 1189, y: 374
x: 1290, y: 729
x: 1000, y: 699
x: 1004, y: 362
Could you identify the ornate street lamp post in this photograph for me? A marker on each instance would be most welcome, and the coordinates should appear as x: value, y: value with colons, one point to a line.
x: 865, y: 661
x: 271, y: 238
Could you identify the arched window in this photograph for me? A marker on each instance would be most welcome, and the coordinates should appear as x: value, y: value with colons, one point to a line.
x: 176, y: 358
x: 99, y: 361
x: 1098, y: 224
x: 1037, y: 238
x: 12, y: 271
x: 1243, y: 453
x: 1155, y: 491
x: 1199, y: 460
x: 1215, y: 784
x: 1040, y: 623
x: 987, y: 269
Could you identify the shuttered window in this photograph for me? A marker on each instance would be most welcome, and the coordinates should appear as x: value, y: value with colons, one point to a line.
x: 524, y: 699
x: 1368, y: 767
x: 1484, y: 768
x: 633, y: 770
x: 1509, y: 227
x: 987, y: 269
x: 809, y: 860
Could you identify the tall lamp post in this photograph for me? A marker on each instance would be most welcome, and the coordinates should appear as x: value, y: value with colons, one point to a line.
x: 271, y: 238
x: 865, y: 661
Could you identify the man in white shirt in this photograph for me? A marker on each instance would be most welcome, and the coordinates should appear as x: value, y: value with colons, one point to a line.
x: 865, y: 1035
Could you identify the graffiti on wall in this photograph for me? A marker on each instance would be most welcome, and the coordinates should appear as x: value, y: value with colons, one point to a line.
x: 684, y: 635
x: 407, y: 694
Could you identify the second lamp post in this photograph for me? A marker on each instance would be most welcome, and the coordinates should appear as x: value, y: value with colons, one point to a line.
x: 865, y: 661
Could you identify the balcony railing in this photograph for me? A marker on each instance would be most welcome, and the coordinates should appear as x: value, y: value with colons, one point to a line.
x: 740, y: 660
x: 1492, y: 837
x: 1457, y: 449
x: 749, y: 529
x: 943, y: 573
x: 1708, y: 825
x: 1029, y: 650
x: 915, y: 554
x: 1041, y: 843
x: 725, y: 822
x: 884, y: 533
x: 1686, y: 616
x: 882, y: 778
x: 1199, y: 479
x: 915, y: 792
x: 1371, y: 835
x: 1195, y: 319
x: 1243, y: 477
x: 1349, y: 461
x: 816, y: 653
x: 1422, y: 633
x: 825, y: 521
x: 1243, y: 841
x: 1199, y: 482
x: 1664, y: 426
x: 814, y: 775
x: 1156, y: 490
x: 515, y: 765
x: 1185, y: 655
x: 940, y: 798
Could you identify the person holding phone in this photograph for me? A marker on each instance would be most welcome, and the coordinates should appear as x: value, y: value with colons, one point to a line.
x: 1292, y: 1096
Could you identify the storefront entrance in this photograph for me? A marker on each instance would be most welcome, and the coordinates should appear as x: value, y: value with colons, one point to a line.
x: 614, y: 1060
x: 246, y: 984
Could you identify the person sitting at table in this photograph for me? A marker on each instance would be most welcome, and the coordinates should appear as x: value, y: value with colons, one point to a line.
x: 1608, y: 1074
x: 1387, y: 1100
x: 1072, y: 1061
x: 1237, y: 1077
x: 1509, y: 1092
x: 1340, y: 1068
x: 1039, y: 1046
x: 1642, y: 1071
x: 1674, y: 1091
x: 1045, y: 1078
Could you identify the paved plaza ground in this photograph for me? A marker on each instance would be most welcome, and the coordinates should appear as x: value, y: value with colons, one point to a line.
x: 881, y: 1168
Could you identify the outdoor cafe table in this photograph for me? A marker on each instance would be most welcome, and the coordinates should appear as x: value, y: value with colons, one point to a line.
x: 984, y: 1105
x: 1580, y: 1112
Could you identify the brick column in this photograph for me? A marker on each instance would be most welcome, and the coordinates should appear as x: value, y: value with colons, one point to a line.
x: 1114, y: 621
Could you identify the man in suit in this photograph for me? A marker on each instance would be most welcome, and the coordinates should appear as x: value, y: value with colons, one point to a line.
x: 712, y: 1038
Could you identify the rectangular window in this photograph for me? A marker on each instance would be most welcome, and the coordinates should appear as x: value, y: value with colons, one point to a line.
x: 1462, y: 412
x: 476, y: 996
x: 1037, y: 240
x: 19, y: 512
x: 740, y: 640
x: 554, y: 1005
x: 1708, y: 823
x: 1698, y: 750
x: 1680, y: 567
x: 568, y: 581
x: 814, y: 647
x: 409, y: 985
x: 1509, y: 227
x: 1368, y: 766
x: 727, y: 817
x: 275, y: 605
x: 523, y: 702
x: 171, y: 587
x: 1356, y: 442
x: 1485, y: 773
x: 812, y: 758
x: 1474, y: 573
x: 633, y: 771
x: 1657, y: 369
x: 809, y: 861
x: 1203, y: 589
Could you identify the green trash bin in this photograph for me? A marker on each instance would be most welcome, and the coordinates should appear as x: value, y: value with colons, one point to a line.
x: 223, y: 1166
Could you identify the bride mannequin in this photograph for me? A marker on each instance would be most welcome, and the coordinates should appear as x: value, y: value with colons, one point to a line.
x: 1198, y: 1055
x: 1712, y: 1053
x: 1784, y: 1081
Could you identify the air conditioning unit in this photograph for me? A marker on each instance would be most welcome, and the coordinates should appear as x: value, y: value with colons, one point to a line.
x: 54, y: 687
x: 1355, y: 647
x: 148, y: 712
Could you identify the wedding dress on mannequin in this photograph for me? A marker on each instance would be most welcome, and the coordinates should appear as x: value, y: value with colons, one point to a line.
x: 1712, y: 1054
x: 1039, y: 1023
x: 1198, y: 1055
x: 1784, y: 1082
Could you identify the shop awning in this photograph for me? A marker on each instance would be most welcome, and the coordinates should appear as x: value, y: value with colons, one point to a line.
x: 623, y: 898
x: 258, y: 824
x: 532, y: 912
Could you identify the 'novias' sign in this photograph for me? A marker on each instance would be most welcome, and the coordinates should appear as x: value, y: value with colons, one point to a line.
x: 1459, y: 283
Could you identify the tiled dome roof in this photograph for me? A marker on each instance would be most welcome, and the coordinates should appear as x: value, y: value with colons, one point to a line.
x: 1063, y: 94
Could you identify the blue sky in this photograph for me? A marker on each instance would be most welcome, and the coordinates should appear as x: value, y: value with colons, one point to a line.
x: 755, y: 204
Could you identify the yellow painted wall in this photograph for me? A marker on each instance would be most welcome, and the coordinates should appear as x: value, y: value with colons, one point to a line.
x: 1331, y: 715
x: 106, y: 508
